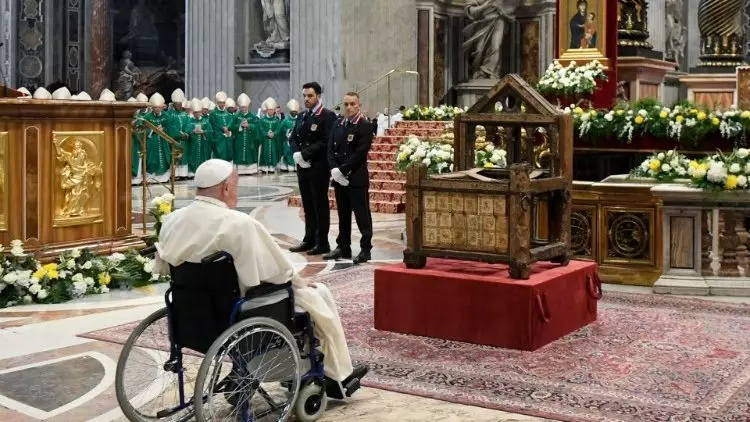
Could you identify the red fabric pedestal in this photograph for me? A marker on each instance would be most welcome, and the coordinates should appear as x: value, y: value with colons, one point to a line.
x: 478, y: 303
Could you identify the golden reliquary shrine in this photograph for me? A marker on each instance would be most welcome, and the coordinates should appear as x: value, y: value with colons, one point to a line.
x: 486, y: 214
x: 65, y: 174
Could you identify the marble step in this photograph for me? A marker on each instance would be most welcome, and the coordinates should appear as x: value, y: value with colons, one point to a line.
x: 423, y: 124
x: 382, y: 165
x: 375, y: 206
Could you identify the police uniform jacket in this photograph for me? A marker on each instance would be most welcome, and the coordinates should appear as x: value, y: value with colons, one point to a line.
x: 310, y: 136
x: 348, y: 148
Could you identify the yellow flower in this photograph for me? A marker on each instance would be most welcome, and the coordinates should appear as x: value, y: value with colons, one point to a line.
x: 654, y: 164
x: 578, y: 110
x: 165, y: 208
x: 638, y: 120
x: 731, y: 182
x: 40, y: 273
x: 715, y: 121
x: 693, y: 111
x: 592, y: 113
x: 50, y: 267
x: 402, y: 156
x: 701, y: 115
x: 679, y: 119
x: 693, y: 164
x: 104, y: 279
x: 488, y: 165
x: 620, y: 112
x: 663, y: 114
x: 745, y: 114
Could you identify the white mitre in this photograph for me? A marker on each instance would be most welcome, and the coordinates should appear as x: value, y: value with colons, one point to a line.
x: 211, y: 105
x: 61, y: 94
x: 81, y: 96
x: 293, y: 105
x: 156, y: 100
x: 24, y: 92
x: 206, y: 103
x: 141, y: 97
x: 231, y: 103
x: 42, y: 94
x: 243, y: 100
x: 132, y: 100
x: 269, y: 104
x: 212, y: 172
x: 107, y: 95
x: 196, y: 105
x: 221, y: 97
x: 178, y: 96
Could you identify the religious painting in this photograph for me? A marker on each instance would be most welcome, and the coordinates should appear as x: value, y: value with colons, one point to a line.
x: 148, y: 38
x: 582, y: 31
x: 743, y: 87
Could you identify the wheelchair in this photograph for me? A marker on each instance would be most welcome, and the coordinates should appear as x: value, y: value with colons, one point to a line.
x: 219, y: 356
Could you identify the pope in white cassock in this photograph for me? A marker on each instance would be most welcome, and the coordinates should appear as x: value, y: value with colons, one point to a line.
x: 210, y: 224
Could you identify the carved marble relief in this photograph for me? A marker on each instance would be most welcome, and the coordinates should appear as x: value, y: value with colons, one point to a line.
x: 483, y: 36
x: 31, y: 40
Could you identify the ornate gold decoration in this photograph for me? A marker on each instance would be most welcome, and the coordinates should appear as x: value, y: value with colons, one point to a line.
x: 4, y: 185
x: 79, y: 174
x: 629, y: 235
x: 581, y: 55
x: 720, y: 23
x: 632, y: 24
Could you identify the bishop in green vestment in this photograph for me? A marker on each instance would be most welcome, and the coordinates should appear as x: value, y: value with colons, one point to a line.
x: 158, y: 150
x: 287, y: 126
x: 180, y: 117
x: 200, y: 131
x: 270, y: 134
x: 246, y: 137
x: 222, y: 121
x: 135, y: 148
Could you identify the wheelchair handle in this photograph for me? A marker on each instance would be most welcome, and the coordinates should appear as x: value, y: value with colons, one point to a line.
x: 216, y: 256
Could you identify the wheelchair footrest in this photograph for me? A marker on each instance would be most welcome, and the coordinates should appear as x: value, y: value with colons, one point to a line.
x: 351, y: 387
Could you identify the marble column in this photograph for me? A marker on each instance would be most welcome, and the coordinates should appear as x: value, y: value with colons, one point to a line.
x: 7, y: 28
x: 100, y: 56
x: 656, y: 18
x: 210, y: 45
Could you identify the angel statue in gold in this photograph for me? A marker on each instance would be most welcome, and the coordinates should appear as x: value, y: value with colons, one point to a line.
x: 80, y: 179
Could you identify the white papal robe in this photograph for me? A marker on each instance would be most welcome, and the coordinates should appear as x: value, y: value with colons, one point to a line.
x: 207, y: 226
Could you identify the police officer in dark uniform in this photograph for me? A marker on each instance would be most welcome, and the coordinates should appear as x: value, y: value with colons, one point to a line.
x: 347, y: 157
x: 309, y: 143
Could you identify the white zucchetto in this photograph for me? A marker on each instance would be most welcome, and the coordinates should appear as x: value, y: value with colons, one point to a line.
x: 212, y: 172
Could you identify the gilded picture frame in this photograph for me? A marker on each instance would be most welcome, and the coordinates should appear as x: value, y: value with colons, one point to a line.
x: 582, y: 31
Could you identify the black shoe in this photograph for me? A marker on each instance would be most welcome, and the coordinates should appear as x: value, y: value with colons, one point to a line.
x: 362, y: 258
x: 338, y: 253
x: 359, y: 372
x: 302, y: 247
x: 318, y: 251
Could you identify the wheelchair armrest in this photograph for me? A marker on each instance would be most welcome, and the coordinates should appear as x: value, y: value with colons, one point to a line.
x: 216, y: 257
x: 266, y: 288
x: 150, y: 250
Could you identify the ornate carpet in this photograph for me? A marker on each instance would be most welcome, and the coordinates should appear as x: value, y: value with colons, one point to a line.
x: 647, y: 358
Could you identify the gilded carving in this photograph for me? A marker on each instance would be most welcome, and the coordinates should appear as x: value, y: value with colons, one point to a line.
x: 79, y: 173
x: 4, y: 181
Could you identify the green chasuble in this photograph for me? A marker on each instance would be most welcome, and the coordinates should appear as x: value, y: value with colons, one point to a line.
x: 200, y: 144
x: 158, y: 150
x: 179, y: 133
x: 246, y: 139
x: 270, y: 144
x: 287, y: 126
x: 135, y: 148
x: 223, y: 146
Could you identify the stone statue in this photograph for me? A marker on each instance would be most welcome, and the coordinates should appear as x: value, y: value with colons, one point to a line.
x: 142, y: 36
x: 128, y: 76
x: 484, y: 35
x: 80, y: 179
x: 676, y: 32
x: 276, y: 23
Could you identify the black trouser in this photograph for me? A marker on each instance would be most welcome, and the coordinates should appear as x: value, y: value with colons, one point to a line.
x: 313, y: 187
x: 355, y: 199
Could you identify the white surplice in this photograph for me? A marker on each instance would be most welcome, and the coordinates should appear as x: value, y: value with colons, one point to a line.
x: 206, y: 226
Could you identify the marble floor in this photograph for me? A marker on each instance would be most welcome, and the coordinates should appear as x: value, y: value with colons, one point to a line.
x: 47, y: 372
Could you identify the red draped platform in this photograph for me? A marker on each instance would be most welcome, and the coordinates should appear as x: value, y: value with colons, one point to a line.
x: 478, y: 303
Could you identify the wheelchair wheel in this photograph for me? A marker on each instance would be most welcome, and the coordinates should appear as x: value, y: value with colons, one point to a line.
x: 147, y: 382
x: 251, y: 372
x: 311, y: 403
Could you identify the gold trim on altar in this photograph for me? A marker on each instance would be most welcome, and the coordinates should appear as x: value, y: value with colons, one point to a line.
x: 78, y: 178
x: 582, y: 37
x: 4, y: 185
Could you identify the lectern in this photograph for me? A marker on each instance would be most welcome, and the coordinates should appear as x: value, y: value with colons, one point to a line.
x: 65, y: 174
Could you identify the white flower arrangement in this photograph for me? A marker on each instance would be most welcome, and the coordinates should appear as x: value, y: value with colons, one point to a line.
x: 436, y: 156
x: 439, y: 113
x: 663, y: 166
x: 562, y: 80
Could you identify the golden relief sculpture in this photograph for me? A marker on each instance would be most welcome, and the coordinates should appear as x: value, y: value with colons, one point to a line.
x: 4, y: 181
x: 80, y: 178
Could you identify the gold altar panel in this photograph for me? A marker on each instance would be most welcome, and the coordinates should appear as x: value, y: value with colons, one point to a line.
x: 473, y: 222
x: 4, y: 176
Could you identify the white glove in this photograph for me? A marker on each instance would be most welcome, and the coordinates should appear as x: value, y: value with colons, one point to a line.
x: 297, y: 156
x: 339, y: 177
